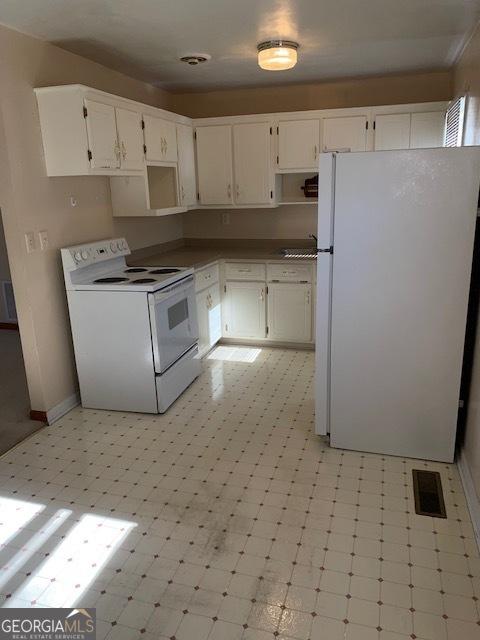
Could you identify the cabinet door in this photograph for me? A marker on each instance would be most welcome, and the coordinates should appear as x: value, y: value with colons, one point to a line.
x: 290, y: 311
x: 345, y: 134
x: 130, y: 139
x: 252, y: 158
x: 214, y: 164
x: 186, y: 165
x: 160, y: 139
x: 209, y: 316
x: 298, y: 144
x: 428, y: 130
x: 214, y: 315
x: 392, y: 131
x: 202, y: 319
x: 102, y: 135
x: 245, y: 310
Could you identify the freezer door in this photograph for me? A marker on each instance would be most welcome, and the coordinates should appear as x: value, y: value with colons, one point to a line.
x: 403, y: 238
x: 323, y: 298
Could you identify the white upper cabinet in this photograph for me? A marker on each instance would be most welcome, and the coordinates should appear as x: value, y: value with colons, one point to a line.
x: 186, y: 166
x: 392, y: 131
x: 130, y: 139
x: 413, y: 130
x: 347, y: 133
x: 427, y: 130
x: 160, y: 139
x: 103, y: 147
x: 298, y: 145
x: 252, y: 163
x: 214, y: 164
x: 290, y: 311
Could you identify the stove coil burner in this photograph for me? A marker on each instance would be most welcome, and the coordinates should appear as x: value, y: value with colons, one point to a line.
x: 165, y: 270
x: 136, y: 270
x: 143, y: 281
x: 111, y: 280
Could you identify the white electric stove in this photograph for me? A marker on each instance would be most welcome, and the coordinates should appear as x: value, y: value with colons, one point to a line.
x: 134, y: 329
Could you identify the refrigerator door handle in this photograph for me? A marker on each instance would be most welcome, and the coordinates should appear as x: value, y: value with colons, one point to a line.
x: 329, y: 250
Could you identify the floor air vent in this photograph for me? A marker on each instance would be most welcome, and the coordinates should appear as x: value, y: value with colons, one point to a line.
x: 427, y: 488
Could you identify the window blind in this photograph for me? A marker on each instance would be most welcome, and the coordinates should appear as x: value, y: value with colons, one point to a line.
x: 454, y: 123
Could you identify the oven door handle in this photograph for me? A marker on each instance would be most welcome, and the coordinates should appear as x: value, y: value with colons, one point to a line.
x: 176, y: 288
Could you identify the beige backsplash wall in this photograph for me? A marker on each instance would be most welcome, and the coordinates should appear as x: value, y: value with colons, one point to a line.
x: 357, y: 92
x: 32, y: 202
x: 289, y: 221
x: 467, y: 80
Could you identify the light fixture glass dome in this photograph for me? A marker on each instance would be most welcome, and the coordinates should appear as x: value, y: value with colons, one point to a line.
x: 277, y: 55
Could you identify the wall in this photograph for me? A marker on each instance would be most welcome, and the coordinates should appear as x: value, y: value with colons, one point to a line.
x: 283, y: 222
x: 359, y: 92
x: 4, y: 272
x: 467, y: 80
x: 32, y: 202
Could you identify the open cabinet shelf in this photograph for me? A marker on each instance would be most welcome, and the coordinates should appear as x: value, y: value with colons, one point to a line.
x: 155, y: 193
x: 289, y: 188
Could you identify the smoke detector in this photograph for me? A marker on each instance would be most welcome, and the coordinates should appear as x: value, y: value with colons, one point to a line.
x: 195, y: 58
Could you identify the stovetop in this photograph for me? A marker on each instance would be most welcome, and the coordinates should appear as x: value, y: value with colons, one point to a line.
x: 136, y: 279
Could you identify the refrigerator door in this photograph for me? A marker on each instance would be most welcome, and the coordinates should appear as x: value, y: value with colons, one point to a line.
x: 403, y: 237
x: 324, y: 275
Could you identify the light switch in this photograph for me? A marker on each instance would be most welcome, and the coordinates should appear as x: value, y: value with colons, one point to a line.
x: 30, y: 241
x: 43, y: 237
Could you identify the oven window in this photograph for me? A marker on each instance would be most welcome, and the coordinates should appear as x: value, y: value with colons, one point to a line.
x: 177, y: 313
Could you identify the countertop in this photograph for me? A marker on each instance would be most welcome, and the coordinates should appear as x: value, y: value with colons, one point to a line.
x: 200, y: 256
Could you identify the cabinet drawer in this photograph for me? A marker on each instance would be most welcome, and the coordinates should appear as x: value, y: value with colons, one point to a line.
x: 289, y: 272
x: 244, y: 271
x: 206, y: 277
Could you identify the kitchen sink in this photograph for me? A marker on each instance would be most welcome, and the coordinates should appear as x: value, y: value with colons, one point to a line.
x: 299, y: 252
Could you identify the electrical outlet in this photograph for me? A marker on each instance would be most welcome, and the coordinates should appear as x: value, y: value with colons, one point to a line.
x: 43, y: 237
x: 226, y: 217
x: 30, y: 241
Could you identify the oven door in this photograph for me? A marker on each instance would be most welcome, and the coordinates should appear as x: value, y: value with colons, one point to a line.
x: 173, y: 321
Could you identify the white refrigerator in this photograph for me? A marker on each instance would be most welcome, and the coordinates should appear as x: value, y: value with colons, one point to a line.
x: 395, y: 242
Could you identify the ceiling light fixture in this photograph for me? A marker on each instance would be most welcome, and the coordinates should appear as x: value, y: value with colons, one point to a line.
x: 277, y: 55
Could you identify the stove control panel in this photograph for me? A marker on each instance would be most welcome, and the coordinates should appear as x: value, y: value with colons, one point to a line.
x: 95, y: 252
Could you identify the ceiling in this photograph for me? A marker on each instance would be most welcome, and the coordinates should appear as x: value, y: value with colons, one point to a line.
x: 338, y: 38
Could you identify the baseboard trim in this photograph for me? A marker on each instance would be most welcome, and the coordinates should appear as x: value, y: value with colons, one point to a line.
x: 62, y: 408
x: 9, y: 326
x: 247, y: 342
x: 473, y: 501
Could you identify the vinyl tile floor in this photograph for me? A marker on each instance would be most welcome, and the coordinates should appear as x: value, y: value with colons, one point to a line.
x: 227, y: 518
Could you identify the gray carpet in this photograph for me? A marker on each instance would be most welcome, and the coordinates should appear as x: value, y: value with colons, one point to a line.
x: 15, y: 424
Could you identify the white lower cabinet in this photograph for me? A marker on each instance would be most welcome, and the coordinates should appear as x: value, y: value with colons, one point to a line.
x: 209, y: 314
x: 290, y: 311
x: 245, y: 310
